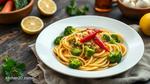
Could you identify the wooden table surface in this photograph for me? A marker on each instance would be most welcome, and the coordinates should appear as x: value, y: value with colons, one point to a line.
x: 14, y: 42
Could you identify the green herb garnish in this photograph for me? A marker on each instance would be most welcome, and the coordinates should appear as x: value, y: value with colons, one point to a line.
x: 11, y: 68
x: 72, y: 9
x: 1, y: 7
x: 20, y: 3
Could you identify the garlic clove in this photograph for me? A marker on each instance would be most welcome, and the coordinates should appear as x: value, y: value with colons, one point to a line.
x: 148, y: 3
x: 143, y: 3
x: 131, y: 4
x: 126, y: 2
x: 133, y: 1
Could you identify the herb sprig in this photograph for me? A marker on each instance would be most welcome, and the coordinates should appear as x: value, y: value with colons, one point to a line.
x: 11, y: 68
x: 72, y: 9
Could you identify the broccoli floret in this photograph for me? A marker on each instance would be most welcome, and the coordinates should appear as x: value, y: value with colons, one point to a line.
x: 74, y: 63
x: 115, y: 57
x: 57, y: 40
x: 108, y: 39
x: 112, y: 41
x: 69, y: 30
x: 89, y: 51
x: 115, y: 37
x: 76, y: 51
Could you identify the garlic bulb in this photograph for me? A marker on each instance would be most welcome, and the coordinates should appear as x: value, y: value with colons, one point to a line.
x: 143, y: 3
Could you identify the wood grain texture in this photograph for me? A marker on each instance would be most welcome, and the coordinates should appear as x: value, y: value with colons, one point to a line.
x: 15, y: 43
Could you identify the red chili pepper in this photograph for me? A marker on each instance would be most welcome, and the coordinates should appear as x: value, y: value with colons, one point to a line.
x: 95, y: 30
x: 100, y: 43
x: 89, y: 37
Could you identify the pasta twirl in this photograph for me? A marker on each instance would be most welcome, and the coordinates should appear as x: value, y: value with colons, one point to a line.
x: 89, y: 49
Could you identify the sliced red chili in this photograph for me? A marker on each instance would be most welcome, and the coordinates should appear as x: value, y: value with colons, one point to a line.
x: 100, y: 43
x: 95, y: 30
x: 98, y: 30
x: 88, y: 37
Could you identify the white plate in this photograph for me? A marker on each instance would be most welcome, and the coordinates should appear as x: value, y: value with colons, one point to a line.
x: 44, y: 45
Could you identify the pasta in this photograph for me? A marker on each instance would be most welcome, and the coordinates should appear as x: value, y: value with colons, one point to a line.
x: 89, y: 49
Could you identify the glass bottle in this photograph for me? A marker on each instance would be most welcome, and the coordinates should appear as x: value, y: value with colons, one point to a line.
x: 103, y: 5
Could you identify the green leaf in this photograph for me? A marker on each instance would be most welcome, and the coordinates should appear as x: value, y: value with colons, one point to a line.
x: 12, y: 68
x: 73, y: 3
x: 73, y: 10
x: 86, y: 8
x: 1, y: 7
x: 20, y: 3
x: 20, y: 66
x: 8, y: 78
x: 82, y: 11
x: 10, y: 62
x: 17, y: 72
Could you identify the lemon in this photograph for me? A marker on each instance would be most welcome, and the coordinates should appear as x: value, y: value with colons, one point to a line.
x: 47, y: 7
x: 32, y: 24
x: 145, y: 24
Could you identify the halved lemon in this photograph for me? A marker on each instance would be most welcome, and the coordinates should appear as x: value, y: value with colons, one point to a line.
x: 47, y: 7
x: 32, y: 24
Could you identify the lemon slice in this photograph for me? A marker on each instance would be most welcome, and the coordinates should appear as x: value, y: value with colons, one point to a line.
x: 47, y: 7
x: 32, y: 24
